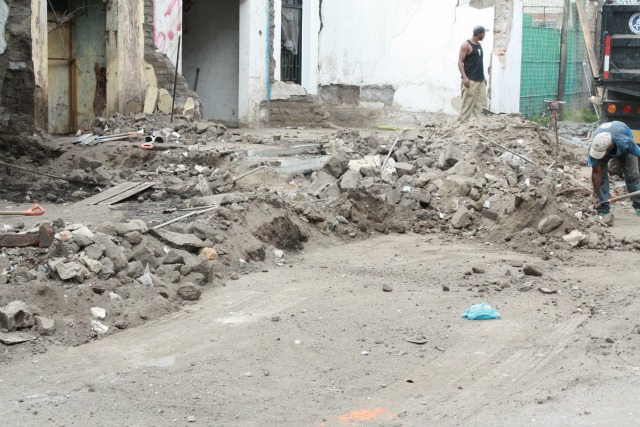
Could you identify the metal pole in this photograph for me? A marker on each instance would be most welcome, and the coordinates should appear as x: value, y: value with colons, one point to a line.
x: 195, y: 86
x: 506, y: 149
x: 564, y: 54
x: 175, y: 79
x: 389, y: 155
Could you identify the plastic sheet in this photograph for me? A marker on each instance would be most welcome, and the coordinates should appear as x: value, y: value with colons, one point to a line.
x: 482, y: 311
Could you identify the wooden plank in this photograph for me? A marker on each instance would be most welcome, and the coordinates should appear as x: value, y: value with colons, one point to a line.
x: 115, y: 192
x: 591, y: 54
x: 125, y: 195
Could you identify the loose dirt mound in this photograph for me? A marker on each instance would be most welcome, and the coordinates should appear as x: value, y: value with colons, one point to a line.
x: 452, y: 180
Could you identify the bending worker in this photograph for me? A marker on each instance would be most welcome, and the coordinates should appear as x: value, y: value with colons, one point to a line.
x: 613, y: 140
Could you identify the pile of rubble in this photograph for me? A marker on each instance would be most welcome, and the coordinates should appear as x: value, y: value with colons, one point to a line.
x: 490, y: 180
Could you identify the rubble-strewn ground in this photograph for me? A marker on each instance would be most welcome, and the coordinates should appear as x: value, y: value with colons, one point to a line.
x: 305, y: 258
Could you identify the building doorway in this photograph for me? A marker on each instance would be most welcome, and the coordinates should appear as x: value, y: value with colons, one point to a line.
x: 211, y: 61
x: 77, y: 82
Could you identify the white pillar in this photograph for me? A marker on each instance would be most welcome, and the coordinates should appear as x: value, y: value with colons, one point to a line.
x: 254, y: 60
x: 507, y: 67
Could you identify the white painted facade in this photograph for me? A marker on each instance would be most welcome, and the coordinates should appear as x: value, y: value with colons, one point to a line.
x: 507, y: 68
x: 411, y: 45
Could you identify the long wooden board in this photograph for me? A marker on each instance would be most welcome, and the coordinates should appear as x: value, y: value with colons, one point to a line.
x: 118, y: 193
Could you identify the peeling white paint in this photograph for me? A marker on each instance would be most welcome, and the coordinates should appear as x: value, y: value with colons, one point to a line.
x: 4, y: 15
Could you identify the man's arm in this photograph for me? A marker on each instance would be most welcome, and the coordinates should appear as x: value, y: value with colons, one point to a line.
x: 596, y: 179
x: 464, y: 51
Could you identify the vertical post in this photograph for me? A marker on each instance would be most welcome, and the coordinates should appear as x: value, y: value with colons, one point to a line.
x: 564, y: 53
x: 175, y: 79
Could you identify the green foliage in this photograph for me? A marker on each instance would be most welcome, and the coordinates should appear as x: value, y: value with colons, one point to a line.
x: 584, y: 115
x: 541, y: 119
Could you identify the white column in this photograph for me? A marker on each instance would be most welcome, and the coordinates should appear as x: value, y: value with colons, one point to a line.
x: 254, y: 65
x: 507, y: 67
x: 310, y: 36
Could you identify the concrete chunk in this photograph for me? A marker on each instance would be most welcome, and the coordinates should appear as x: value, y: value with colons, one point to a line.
x: 549, y: 223
x: 16, y: 315
x: 462, y: 218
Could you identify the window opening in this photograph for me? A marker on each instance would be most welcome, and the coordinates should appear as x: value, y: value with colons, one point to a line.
x: 291, y: 57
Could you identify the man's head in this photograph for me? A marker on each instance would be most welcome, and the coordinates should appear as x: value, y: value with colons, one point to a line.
x: 478, y: 32
x: 600, y: 145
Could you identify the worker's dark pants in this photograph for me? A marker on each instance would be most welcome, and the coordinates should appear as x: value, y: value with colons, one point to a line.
x: 629, y: 166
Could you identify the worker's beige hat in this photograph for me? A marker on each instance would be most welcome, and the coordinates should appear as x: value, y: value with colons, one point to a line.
x: 600, y: 145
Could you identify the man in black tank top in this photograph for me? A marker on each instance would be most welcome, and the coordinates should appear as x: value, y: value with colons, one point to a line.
x: 471, y: 66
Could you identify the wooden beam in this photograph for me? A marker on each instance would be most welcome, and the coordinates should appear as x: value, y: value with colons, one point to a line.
x: 588, y: 43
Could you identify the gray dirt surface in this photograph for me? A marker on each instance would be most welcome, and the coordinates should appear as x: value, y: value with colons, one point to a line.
x: 317, y: 342
x: 293, y: 326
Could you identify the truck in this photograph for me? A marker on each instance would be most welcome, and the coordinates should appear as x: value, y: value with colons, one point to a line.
x: 619, y: 63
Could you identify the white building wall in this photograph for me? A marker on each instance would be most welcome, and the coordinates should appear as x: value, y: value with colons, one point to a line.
x: 507, y: 67
x: 254, y: 85
x: 412, y: 45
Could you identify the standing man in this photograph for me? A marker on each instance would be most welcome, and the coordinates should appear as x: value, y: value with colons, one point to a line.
x: 613, y: 140
x: 471, y: 66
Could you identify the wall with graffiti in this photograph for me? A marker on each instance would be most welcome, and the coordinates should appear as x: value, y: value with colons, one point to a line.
x: 167, y: 26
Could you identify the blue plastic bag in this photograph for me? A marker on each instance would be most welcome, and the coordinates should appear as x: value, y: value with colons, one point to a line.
x: 481, y: 311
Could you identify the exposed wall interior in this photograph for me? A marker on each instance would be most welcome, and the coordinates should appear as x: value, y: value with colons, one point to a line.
x: 19, y: 132
x: 211, y: 56
x: 89, y: 52
x: 160, y: 70
x: 125, y: 57
x: 61, y: 116
x: 39, y: 50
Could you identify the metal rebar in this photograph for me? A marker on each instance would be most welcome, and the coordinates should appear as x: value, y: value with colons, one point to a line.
x: 175, y: 79
x: 184, y: 217
x: 389, y: 155
x: 253, y: 171
x: 506, y: 149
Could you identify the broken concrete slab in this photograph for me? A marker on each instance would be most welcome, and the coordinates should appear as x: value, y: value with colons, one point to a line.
x: 11, y: 338
x: 165, y: 101
x: 349, y: 180
x: 150, y: 100
x: 337, y: 165
x: 403, y: 169
x: 187, y: 242
x: 132, y: 226
x: 322, y: 181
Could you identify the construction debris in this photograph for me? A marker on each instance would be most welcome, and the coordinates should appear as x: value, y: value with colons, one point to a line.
x: 483, y: 181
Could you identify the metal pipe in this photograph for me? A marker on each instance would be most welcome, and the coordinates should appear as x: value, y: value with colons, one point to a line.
x: 184, y: 216
x: 253, y: 171
x: 195, y: 86
x: 175, y: 79
x: 389, y: 155
x: 506, y: 149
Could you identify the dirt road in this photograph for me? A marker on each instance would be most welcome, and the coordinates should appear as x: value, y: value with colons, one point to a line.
x: 318, y: 343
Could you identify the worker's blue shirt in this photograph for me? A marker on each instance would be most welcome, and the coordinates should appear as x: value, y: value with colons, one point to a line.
x: 623, y: 142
